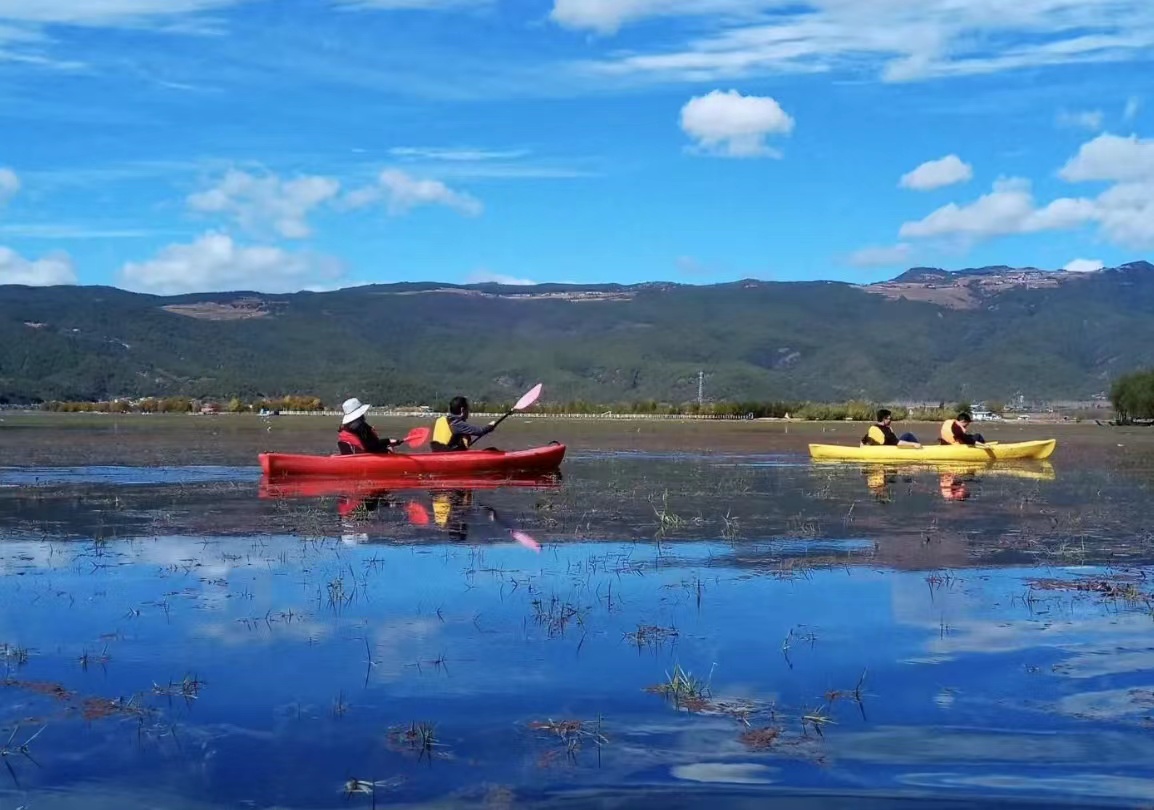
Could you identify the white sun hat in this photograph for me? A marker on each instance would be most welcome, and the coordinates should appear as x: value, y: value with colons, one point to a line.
x: 353, y: 410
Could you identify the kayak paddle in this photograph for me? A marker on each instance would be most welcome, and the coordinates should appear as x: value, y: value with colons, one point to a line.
x: 526, y: 540
x: 416, y: 437
x: 523, y: 403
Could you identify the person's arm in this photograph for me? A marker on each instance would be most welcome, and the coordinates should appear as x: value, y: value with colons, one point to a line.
x: 463, y: 428
x: 962, y: 436
x: 374, y: 443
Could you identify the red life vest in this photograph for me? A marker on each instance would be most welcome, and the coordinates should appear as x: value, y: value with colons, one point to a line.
x: 352, y: 440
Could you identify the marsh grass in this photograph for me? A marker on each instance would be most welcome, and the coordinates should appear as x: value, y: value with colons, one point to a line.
x: 419, y: 737
x: 651, y: 635
x: 366, y: 787
x: 731, y: 526
x: 797, y: 635
x: 572, y: 733
x: 667, y: 519
x: 12, y: 749
x: 684, y: 689
x: 188, y: 688
x: 1123, y: 587
x: 14, y: 654
x: 556, y: 614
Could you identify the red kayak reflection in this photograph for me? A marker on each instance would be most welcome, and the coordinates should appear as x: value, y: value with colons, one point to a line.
x: 368, y: 487
x: 451, y: 501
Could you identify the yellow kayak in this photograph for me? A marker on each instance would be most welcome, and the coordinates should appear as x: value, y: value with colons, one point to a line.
x: 936, y: 452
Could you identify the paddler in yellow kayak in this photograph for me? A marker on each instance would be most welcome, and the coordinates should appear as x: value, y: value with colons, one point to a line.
x: 880, y: 433
x: 955, y: 431
x: 453, y: 432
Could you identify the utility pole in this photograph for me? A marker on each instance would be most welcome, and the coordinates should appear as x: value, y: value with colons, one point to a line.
x: 700, y: 388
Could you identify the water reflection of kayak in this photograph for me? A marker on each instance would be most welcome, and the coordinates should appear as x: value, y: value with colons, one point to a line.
x: 1037, y: 471
x: 365, y: 487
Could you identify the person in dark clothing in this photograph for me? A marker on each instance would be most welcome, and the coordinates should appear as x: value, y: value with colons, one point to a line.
x: 358, y: 436
x: 453, y: 431
x: 954, y: 431
x: 881, y: 433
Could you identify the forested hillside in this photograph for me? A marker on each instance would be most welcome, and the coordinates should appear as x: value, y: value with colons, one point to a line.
x: 927, y: 335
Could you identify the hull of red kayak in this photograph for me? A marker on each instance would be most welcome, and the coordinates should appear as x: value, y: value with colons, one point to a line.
x: 369, y: 465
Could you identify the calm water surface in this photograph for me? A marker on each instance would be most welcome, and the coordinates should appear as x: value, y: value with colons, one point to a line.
x: 742, y: 628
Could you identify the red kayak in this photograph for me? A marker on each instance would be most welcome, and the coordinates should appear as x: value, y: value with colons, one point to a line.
x: 390, y: 465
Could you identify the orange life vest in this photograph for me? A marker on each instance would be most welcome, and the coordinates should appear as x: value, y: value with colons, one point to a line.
x: 947, y: 432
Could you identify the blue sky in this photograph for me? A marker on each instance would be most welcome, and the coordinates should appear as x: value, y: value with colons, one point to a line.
x: 191, y: 145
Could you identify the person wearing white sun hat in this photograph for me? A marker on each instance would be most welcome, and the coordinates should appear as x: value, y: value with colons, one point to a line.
x: 358, y: 436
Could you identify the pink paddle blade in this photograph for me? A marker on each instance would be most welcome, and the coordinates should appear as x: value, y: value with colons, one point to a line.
x: 529, y: 398
x: 526, y: 540
x: 417, y: 436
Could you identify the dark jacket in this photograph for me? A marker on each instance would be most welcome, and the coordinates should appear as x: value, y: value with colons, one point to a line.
x: 360, y: 437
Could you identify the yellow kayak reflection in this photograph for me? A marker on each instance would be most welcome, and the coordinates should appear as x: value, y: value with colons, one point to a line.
x: 953, y: 477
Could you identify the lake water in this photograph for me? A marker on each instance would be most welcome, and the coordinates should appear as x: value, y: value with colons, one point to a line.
x: 737, y: 627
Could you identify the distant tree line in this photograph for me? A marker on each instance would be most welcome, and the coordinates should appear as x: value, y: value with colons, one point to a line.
x: 857, y: 410
x: 187, y: 405
x: 1133, y: 396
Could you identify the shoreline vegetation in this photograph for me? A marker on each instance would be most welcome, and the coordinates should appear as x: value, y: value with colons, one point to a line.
x: 854, y: 411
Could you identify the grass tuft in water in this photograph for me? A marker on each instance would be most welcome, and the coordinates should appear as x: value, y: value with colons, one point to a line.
x: 684, y: 689
x: 420, y: 737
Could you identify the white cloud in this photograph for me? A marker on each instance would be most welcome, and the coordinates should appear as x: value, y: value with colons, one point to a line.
x: 63, y: 230
x: 263, y: 204
x: 9, y: 184
x: 25, y: 24
x: 485, y: 277
x: 1084, y: 266
x: 215, y: 262
x: 1133, y: 104
x: 1008, y: 209
x: 608, y: 16
x: 1084, y: 119
x: 104, y: 12
x: 886, y: 256
x: 937, y: 174
x: 732, y: 125
x: 403, y: 192
x: 473, y: 163
x: 455, y: 154
x: 1123, y: 212
x: 413, y: 5
x: 45, y: 272
x: 902, y: 41
x: 1111, y: 157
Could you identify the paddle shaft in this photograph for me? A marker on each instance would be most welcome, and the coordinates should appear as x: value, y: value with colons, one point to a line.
x: 523, y: 403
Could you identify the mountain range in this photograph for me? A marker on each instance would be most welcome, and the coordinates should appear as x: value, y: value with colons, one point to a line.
x: 928, y: 334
